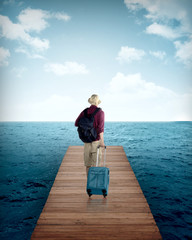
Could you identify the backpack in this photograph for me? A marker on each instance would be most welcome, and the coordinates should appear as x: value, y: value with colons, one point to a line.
x: 87, y: 133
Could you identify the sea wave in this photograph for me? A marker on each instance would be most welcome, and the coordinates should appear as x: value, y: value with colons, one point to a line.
x: 159, y: 153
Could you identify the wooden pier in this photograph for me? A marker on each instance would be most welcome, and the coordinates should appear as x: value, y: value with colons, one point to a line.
x: 70, y: 214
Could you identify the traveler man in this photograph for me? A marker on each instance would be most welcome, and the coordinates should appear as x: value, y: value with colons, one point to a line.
x: 90, y: 149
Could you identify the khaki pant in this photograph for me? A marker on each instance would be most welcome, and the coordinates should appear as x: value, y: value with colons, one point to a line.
x: 90, y: 153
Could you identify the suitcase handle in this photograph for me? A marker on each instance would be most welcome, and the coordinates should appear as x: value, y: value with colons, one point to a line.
x: 98, y: 156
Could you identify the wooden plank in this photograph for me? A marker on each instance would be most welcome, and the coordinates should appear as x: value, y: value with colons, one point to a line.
x: 70, y: 214
x: 65, y: 183
x: 82, y: 207
x: 79, y: 198
x: 105, y: 232
x: 90, y: 228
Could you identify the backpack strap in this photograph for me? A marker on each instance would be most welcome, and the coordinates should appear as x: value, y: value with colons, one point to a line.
x: 85, y: 112
x: 93, y: 114
x: 96, y: 111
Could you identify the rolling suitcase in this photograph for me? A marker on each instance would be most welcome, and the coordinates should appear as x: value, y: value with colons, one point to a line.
x: 98, y: 178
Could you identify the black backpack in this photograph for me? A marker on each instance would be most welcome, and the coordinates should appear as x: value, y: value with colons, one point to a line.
x: 87, y: 133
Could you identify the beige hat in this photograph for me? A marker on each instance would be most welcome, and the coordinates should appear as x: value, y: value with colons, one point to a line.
x: 94, y: 100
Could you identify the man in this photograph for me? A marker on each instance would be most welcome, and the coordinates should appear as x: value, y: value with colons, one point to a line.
x: 90, y: 149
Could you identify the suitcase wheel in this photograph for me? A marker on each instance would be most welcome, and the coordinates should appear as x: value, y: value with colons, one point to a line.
x: 104, y: 193
x: 89, y: 192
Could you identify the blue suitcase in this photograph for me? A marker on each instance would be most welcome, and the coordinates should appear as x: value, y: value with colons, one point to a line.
x: 98, y: 178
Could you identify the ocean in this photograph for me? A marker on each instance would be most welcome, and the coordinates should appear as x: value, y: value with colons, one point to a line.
x: 160, y: 154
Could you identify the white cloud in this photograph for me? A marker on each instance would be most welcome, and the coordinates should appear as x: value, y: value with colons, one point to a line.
x: 127, y: 98
x: 29, y: 20
x: 53, y: 108
x: 135, y: 99
x: 40, y: 44
x: 62, y: 16
x: 132, y: 5
x: 158, y: 54
x: 170, y: 19
x: 174, y: 16
x: 36, y: 19
x: 10, y: 30
x: 172, y: 9
x: 17, y: 32
x: 134, y: 84
x: 69, y: 68
x: 19, y: 71
x: 33, y: 19
x: 4, y: 54
x: 127, y: 54
x: 163, y: 31
x: 184, y: 52
x: 29, y: 54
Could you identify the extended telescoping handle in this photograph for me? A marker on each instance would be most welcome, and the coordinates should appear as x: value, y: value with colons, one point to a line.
x: 98, y: 156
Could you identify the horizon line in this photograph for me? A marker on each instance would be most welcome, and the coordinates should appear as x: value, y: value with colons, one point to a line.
x: 105, y: 121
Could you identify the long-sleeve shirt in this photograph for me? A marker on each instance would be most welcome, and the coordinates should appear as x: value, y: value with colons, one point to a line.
x: 98, y: 120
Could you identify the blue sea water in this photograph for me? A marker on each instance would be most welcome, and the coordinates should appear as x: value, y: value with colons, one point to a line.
x: 160, y: 154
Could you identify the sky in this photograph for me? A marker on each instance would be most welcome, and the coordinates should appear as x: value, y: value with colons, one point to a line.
x: 135, y: 54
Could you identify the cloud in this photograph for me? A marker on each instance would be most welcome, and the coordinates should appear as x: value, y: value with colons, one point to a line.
x: 68, y: 68
x: 36, y: 19
x: 19, y: 71
x: 4, y: 54
x: 29, y: 54
x: 135, y: 99
x: 158, y: 54
x: 127, y: 54
x: 172, y: 9
x: 53, y: 108
x: 134, y: 84
x: 163, y: 31
x: 126, y: 98
x: 33, y: 19
x: 62, y: 16
x: 29, y: 21
x: 171, y: 20
x: 174, y: 14
x: 184, y: 52
x: 17, y: 32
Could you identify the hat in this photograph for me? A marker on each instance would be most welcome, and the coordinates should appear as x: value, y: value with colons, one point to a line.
x: 94, y: 100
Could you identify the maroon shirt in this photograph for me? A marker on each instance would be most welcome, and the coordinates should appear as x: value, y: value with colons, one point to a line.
x: 98, y: 120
